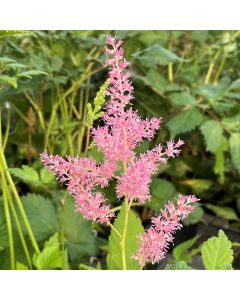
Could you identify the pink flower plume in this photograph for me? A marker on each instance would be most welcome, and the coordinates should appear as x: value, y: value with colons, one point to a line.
x: 154, y: 243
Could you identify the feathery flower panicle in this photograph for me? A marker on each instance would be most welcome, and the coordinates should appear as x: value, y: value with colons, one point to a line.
x: 154, y: 243
x: 122, y: 132
x: 82, y: 176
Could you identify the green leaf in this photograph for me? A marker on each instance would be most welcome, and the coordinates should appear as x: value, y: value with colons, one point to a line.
x: 20, y: 266
x: 156, y: 55
x: 156, y: 81
x: 181, y: 253
x: 180, y: 265
x: 4, y: 33
x: 79, y: 238
x: 182, y: 99
x: 9, y: 80
x: 86, y: 267
x: 29, y: 74
x: 217, y: 253
x: 26, y: 174
x: 46, y: 176
x: 198, y: 185
x: 234, y: 143
x: 213, y: 134
x: 51, y: 255
x: 219, y: 166
x: 185, y: 121
x: 114, y: 257
x: 224, y: 212
x: 41, y: 215
x: 162, y: 191
x: 195, y: 216
x: 232, y: 123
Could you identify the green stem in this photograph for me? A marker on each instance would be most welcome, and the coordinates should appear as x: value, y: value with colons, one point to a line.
x: 222, y: 63
x: 18, y: 201
x: 211, y: 66
x: 7, y: 130
x: 9, y: 225
x: 87, y: 141
x: 170, y: 73
x: 123, y: 238
x: 62, y: 232
x: 114, y: 229
x: 16, y: 219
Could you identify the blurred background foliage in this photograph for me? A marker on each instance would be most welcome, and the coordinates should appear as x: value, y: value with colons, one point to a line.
x: 191, y: 79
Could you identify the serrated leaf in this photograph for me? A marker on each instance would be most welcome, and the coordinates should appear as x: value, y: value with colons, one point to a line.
x: 224, y: 212
x: 234, y: 143
x: 180, y: 265
x: 50, y: 257
x: 182, y: 98
x: 79, y: 238
x: 156, y: 81
x: 217, y: 253
x: 162, y: 191
x: 46, y: 176
x: 213, y: 134
x: 156, y: 55
x: 185, y: 121
x: 41, y: 215
x: 114, y: 257
x: 181, y: 253
x: 26, y: 174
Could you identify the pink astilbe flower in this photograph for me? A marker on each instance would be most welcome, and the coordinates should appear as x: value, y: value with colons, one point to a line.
x: 154, y: 243
x: 122, y: 132
x: 81, y: 176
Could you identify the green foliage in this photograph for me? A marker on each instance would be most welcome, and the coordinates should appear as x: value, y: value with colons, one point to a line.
x: 212, y: 132
x: 41, y: 214
x: 50, y: 257
x: 156, y: 55
x: 180, y: 265
x: 20, y: 266
x: 86, y: 267
x: 46, y: 86
x: 181, y: 252
x: 79, y: 238
x: 235, y: 149
x: 3, y: 228
x: 225, y: 212
x: 99, y: 100
x: 195, y: 216
x: 198, y: 185
x: 26, y: 174
x: 114, y: 256
x: 30, y: 175
x: 217, y: 253
x: 185, y: 121
x: 5, y: 33
x: 162, y: 191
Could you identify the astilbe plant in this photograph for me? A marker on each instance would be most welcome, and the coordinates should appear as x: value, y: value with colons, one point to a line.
x: 122, y: 132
